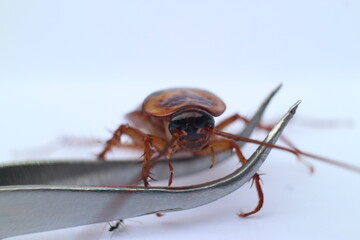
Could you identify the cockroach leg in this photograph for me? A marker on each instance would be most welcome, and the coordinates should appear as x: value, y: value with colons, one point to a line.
x: 296, y: 151
x: 228, y: 121
x: 220, y: 145
x: 212, y: 155
x: 256, y: 179
x: 174, y: 146
x: 148, y: 142
x: 136, y: 135
x: 145, y: 170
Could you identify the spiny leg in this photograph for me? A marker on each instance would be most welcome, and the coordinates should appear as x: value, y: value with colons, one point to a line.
x: 296, y: 152
x: 256, y: 180
x: 220, y: 145
x: 228, y: 121
x: 173, y: 147
x: 136, y: 135
x: 148, y: 142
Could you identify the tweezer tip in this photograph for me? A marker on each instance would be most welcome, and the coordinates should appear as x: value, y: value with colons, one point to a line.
x: 276, y: 89
x: 294, y: 107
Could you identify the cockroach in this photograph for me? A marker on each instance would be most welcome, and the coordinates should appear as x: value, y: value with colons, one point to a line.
x: 182, y: 119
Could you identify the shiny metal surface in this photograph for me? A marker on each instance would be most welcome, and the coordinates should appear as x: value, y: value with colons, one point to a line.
x: 47, y: 207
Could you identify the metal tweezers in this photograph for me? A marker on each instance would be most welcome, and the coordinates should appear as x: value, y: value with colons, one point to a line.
x: 42, y: 195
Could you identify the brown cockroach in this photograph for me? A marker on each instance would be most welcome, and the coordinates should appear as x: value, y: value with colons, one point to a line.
x: 182, y: 119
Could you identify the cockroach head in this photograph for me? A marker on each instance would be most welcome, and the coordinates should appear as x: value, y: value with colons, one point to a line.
x: 192, y: 128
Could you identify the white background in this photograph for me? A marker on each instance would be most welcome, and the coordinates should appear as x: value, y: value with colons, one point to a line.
x: 75, y: 68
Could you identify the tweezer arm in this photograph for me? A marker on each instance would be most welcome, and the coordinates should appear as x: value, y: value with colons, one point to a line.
x: 53, y: 207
